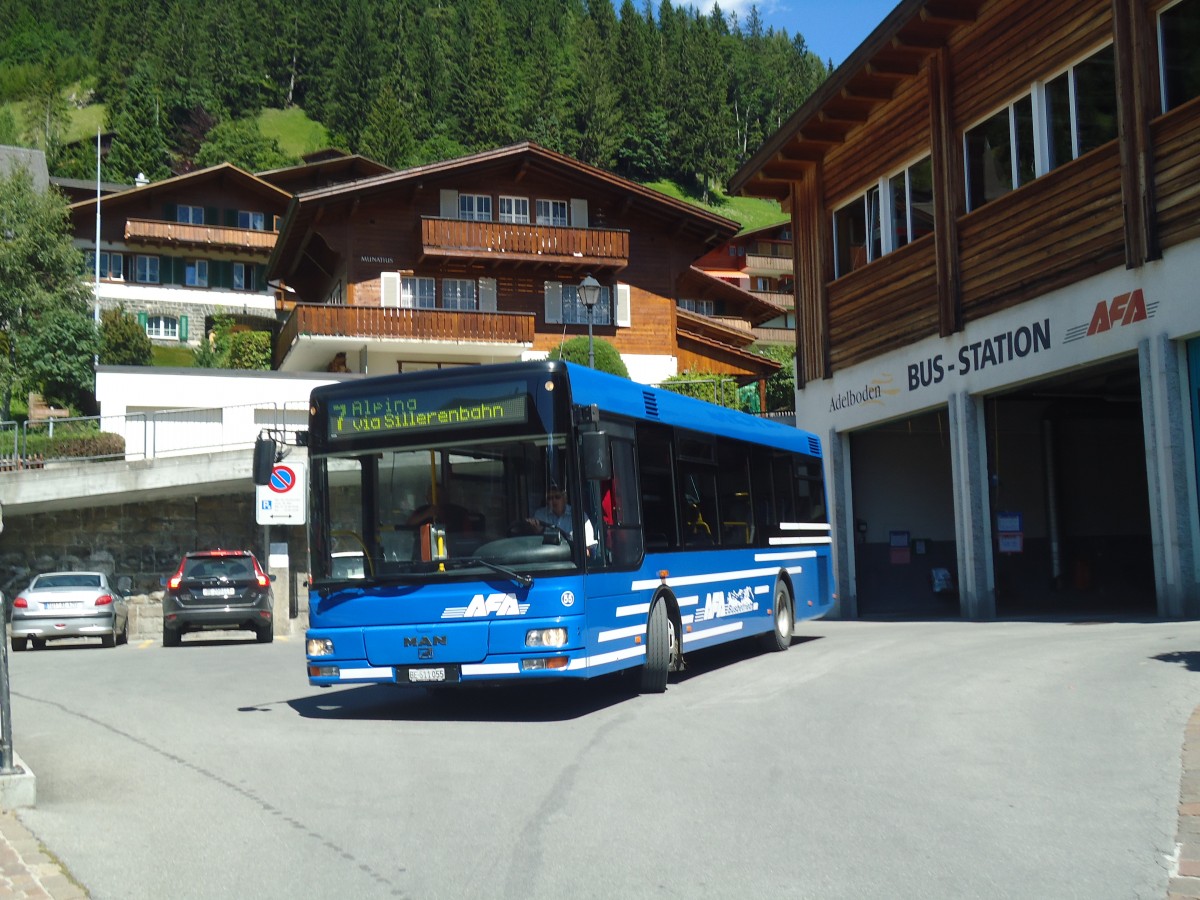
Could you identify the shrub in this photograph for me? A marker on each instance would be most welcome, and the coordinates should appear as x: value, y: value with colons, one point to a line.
x: 719, y: 389
x: 250, y: 350
x: 607, y: 358
x: 123, y: 342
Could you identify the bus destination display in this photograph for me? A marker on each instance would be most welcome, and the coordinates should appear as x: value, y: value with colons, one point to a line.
x: 427, y: 410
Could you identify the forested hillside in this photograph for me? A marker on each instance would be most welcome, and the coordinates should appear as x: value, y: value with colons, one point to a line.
x: 646, y: 91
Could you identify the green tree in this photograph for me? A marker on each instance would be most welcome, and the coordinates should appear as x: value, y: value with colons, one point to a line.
x: 44, y: 304
x: 8, y: 128
x: 781, y: 387
x: 482, y: 94
x: 242, y: 143
x: 607, y: 358
x: 213, y: 352
x: 355, y: 74
x: 641, y: 153
x: 387, y: 136
x: 597, y: 118
x: 123, y: 342
x: 250, y: 350
x: 139, y: 144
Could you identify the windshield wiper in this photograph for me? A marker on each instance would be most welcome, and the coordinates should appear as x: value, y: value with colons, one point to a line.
x: 522, y: 580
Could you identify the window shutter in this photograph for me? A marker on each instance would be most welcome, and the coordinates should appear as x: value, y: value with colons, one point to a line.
x: 143, y: 320
x: 487, y: 294
x: 623, y: 311
x: 260, y: 279
x: 449, y: 208
x: 210, y: 215
x: 170, y: 212
x: 553, y: 302
x: 389, y: 288
x: 183, y: 331
x: 231, y: 218
x: 579, y: 213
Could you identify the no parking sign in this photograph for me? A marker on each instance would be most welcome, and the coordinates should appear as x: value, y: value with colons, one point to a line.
x: 283, y: 499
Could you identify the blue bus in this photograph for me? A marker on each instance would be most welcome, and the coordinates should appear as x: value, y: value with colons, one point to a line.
x: 543, y: 520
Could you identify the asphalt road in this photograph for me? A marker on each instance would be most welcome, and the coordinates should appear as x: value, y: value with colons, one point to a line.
x: 891, y: 760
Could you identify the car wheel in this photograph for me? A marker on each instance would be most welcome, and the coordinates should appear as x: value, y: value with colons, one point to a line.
x: 265, y: 633
x: 171, y: 638
x: 108, y: 640
x: 18, y: 644
x: 123, y: 637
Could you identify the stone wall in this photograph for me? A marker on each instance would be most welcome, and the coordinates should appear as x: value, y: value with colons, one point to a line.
x: 144, y: 541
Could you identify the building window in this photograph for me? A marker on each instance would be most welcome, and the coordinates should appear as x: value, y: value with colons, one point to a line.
x: 192, y: 215
x: 1179, y: 52
x: 112, y: 265
x: 418, y: 293
x: 575, y: 313
x: 515, y: 210
x: 703, y: 307
x: 910, y: 195
x: 552, y: 212
x: 475, y: 207
x: 147, y: 269
x: 1000, y: 153
x: 243, y: 277
x: 195, y: 273
x: 255, y: 221
x: 856, y: 236
x: 1081, y: 108
x: 164, y: 327
x: 458, y: 293
x: 1076, y: 111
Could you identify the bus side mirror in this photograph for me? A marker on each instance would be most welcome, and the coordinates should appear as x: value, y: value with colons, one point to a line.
x: 597, y: 461
x: 264, y: 460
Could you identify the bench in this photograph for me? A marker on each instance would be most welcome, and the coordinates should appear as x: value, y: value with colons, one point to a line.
x: 40, y: 410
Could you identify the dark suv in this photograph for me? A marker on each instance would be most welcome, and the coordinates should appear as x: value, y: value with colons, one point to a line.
x: 222, y: 590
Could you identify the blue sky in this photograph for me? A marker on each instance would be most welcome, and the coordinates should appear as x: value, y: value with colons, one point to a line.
x: 831, y: 28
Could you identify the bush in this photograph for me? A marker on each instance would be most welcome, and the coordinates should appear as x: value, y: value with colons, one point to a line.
x: 250, y: 350
x: 781, y: 387
x: 123, y: 342
x: 607, y: 358
x: 72, y: 442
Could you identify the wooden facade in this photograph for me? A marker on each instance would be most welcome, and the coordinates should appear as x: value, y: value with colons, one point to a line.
x: 932, y: 71
x: 516, y: 228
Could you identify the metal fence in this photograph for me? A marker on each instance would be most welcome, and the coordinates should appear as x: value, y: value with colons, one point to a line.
x: 146, y: 435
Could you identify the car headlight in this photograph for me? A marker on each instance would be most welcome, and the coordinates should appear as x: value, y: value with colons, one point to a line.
x: 546, y: 637
x: 320, y: 646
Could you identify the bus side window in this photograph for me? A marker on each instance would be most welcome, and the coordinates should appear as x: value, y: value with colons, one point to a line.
x: 657, y: 488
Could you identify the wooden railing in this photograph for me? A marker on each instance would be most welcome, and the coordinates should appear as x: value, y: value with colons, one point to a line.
x: 154, y: 231
x: 781, y: 299
x: 758, y: 263
x: 590, y: 246
x: 412, y: 324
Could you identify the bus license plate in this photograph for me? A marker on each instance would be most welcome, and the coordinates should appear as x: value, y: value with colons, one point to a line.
x: 435, y: 674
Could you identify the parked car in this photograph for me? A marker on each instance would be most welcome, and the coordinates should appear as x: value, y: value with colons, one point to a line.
x: 70, y: 605
x: 218, y: 590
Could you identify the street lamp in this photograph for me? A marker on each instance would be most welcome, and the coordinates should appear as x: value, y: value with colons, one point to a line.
x: 589, y: 296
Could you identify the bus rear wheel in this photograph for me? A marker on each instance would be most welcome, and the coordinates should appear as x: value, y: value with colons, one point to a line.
x: 780, y: 637
x: 658, y: 649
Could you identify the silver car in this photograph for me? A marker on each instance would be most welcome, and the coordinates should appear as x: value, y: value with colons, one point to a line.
x: 70, y: 605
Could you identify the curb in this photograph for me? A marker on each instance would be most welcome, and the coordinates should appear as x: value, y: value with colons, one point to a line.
x: 1184, y: 876
x: 27, y: 870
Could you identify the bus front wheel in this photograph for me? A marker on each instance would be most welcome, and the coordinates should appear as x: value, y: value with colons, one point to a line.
x: 659, y: 633
x: 780, y: 636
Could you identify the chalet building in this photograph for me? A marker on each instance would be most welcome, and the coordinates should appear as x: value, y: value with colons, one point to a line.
x: 479, y: 259
x: 760, y: 261
x: 177, y: 252
x: 995, y: 209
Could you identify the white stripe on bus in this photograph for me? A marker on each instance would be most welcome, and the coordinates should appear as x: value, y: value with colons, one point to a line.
x: 804, y: 526
x: 491, y: 669
x: 603, y: 659
x: 617, y: 633
x: 797, y: 541
x: 712, y: 632
x: 683, y: 580
x: 786, y: 554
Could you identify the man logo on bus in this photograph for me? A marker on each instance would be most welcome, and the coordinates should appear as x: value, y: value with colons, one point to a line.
x: 481, y: 606
x: 718, y: 604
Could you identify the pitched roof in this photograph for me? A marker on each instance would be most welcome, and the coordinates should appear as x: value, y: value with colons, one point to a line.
x: 251, y: 184
x: 528, y: 157
x: 33, y: 161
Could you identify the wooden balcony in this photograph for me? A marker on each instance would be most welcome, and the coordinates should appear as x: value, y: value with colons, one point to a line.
x: 585, y: 248
x: 153, y: 232
x: 767, y: 265
x: 366, y: 322
x: 780, y: 299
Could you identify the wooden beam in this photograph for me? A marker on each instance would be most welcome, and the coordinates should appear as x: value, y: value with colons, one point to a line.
x: 894, y: 67
x: 946, y: 191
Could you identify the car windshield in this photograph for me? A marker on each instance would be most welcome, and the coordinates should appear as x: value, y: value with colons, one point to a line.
x: 67, y: 580
x: 231, y: 568
x: 446, y: 511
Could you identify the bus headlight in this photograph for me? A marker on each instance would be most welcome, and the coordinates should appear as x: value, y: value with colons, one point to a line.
x: 546, y: 637
x: 320, y: 646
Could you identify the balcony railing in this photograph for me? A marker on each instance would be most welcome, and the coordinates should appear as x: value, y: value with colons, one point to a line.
x: 764, y: 264
x: 607, y: 247
x: 781, y: 299
x: 209, y: 237
x: 459, y: 326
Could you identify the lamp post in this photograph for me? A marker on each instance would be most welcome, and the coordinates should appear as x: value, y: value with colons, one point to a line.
x: 589, y: 295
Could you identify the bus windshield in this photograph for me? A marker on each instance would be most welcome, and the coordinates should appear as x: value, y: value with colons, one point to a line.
x: 447, y: 510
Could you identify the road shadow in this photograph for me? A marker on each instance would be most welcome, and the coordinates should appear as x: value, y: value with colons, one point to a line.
x: 541, y: 701
x: 1189, y: 659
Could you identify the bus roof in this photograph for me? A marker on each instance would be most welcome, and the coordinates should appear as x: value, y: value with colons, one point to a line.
x: 620, y: 396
